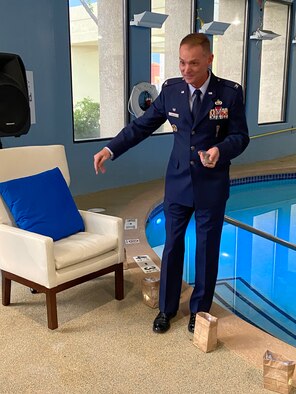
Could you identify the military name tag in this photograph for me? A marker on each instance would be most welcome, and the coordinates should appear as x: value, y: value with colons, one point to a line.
x: 174, y: 114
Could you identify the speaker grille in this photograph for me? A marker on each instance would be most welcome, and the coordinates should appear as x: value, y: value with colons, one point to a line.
x: 14, y: 100
x: 14, y: 110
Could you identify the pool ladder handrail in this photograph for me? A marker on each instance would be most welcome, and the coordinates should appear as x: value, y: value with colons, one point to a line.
x: 261, y: 233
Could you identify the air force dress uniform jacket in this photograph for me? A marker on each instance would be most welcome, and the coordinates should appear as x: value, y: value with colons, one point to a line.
x: 221, y: 122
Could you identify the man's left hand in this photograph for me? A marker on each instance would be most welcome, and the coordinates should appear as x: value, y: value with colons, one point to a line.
x: 212, y: 157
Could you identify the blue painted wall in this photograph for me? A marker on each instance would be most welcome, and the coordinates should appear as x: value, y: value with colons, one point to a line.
x: 38, y: 32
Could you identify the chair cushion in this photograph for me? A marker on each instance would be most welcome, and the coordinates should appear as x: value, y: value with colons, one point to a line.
x: 82, y: 246
x: 43, y: 204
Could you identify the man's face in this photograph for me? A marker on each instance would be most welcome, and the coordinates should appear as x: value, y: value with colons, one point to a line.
x: 194, y: 63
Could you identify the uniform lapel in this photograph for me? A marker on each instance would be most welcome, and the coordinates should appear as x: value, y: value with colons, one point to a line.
x: 184, y: 102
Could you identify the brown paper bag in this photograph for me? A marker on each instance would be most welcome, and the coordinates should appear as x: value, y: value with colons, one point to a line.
x: 277, y: 372
x: 205, y: 332
x: 150, y: 291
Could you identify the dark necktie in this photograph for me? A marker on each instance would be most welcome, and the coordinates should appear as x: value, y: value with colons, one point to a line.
x: 196, y: 104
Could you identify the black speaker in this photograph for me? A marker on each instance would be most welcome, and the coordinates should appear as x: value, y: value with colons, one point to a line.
x: 14, y: 100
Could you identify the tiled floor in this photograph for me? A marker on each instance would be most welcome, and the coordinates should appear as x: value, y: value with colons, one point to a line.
x: 137, y: 201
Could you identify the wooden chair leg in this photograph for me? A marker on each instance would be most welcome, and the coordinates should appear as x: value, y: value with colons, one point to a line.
x: 119, y: 283
x: 51, y: 294
x: 51, y: 305
x: 6, y: 290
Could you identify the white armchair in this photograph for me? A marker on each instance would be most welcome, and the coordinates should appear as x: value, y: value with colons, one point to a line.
x: 49, y: 266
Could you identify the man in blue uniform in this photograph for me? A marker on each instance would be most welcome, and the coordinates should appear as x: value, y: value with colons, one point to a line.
x: 208, y: 120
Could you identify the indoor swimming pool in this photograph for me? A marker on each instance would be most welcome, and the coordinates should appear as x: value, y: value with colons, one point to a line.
x: 257, y: 276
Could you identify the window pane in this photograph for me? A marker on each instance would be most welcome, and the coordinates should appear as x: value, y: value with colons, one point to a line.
x: 165, y: 42
x: 158, y: 47
x: 273, y: 64
x: 228, y: 49
x: 97, y: 67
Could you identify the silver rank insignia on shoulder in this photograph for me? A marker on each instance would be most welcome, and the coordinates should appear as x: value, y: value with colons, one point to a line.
x: 236, y: 85
x: 174, y: 128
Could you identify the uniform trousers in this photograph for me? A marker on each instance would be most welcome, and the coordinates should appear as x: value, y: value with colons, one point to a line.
x: 209, y: 223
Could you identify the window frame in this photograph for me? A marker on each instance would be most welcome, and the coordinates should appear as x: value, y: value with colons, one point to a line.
x: 284, y: 100
x: 125, y: 74
x: 193, y: 28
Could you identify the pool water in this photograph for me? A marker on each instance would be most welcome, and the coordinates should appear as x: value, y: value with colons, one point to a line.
x: 257, y: 277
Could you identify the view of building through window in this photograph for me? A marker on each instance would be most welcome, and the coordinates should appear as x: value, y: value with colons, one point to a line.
x: 165, y: 42
x: 228, y: 48
x: 273, y: 64
x: 97, y: 62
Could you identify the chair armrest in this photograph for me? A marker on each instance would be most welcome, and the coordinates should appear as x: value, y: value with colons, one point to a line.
x: 98, y: 223
x: 102, y: 224
x: 28, y: 255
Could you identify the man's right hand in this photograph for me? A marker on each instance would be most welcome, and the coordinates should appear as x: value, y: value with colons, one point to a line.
x: 99, y: 159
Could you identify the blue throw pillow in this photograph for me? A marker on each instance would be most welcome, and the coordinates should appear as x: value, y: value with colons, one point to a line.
x: 43, y: 204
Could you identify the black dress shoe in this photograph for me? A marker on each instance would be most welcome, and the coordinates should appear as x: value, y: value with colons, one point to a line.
x: 191, y: 323
x: 162, y: 322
